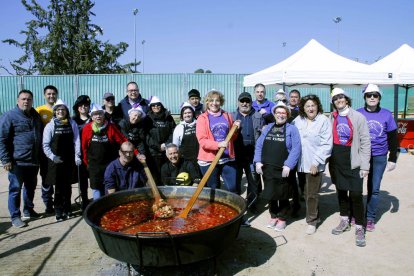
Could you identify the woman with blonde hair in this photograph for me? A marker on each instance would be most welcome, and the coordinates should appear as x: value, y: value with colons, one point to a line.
x: 212, y: 128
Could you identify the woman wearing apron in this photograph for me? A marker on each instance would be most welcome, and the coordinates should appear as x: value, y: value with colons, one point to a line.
x: 61, y: 145
x: 184, y: 135
x: 101, y: 141
x: 277, y: 152
x: 349, y: 162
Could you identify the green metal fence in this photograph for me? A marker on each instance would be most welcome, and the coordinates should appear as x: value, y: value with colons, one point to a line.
x: 170, y: 88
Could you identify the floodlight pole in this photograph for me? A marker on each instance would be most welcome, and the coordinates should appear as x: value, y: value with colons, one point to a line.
x: 135, y: 11
x: 143, y: 56
x: 336, y: 20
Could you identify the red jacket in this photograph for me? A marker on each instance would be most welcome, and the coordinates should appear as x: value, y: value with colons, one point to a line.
x: 208, y: 146
x: 114, y: 136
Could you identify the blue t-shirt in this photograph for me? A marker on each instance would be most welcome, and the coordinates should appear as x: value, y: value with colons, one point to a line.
x: 379, y: 124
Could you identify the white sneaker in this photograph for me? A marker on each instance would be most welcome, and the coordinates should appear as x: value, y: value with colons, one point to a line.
x: 272, y: 223
x: 311, y: 229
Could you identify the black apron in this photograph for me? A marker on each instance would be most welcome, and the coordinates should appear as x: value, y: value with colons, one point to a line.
x: 100, y: 154
x: 62, y: 146
x: 189, y: 144
x: 342, y: 175
x: 274, y: 154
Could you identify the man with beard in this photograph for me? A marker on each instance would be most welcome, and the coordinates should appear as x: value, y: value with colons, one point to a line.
x: 45, y: 111
x: 251, y: 124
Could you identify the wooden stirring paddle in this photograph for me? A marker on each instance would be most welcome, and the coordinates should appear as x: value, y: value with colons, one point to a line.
x: 160, y: 208
x: 206, y: 176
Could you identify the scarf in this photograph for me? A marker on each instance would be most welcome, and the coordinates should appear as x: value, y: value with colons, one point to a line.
x: 97, y: 129
x: 60, y: 122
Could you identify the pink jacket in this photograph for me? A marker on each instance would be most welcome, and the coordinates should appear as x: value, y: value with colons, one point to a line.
x: 208, y: 146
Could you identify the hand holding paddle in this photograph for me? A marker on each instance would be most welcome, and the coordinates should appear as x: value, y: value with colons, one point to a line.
x: 160, y: 208
x: 206, y: 176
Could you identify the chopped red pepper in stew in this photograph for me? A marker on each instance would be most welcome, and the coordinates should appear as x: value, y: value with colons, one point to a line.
x: 138, y: 216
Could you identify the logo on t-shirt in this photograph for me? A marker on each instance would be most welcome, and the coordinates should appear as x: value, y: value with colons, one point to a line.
x: 375, y: 129
x: 344, y: 132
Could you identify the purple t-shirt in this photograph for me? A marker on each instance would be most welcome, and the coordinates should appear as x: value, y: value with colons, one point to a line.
x: 219, y: 127
x: 343, y: 129
x: 379, y: 124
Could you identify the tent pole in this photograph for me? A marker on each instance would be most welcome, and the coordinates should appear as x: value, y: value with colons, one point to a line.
x: 396, y: 102
x: 405, y: 101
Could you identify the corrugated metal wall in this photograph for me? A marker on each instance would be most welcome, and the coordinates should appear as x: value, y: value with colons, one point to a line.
x: 170, y: 88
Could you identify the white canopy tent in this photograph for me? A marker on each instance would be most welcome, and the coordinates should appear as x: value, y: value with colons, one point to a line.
x: 401, y: 64
x: 315, y: 64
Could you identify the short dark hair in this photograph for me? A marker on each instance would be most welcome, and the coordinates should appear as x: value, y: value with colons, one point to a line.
x: 132, y: 82
x: 303, y: 101
x: 294, y: 91
x: 25, y: 91
x: 50, y: 87
x: 259, y: 84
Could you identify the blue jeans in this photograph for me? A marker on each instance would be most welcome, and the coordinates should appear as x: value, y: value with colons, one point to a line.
x: 227, y: 171
x: 21, y: 177
x: 376, y: 171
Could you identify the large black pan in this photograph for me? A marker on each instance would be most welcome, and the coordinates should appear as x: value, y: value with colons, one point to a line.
x: 165, y: 250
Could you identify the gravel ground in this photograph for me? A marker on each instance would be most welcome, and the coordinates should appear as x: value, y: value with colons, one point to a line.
x: 45, y: 247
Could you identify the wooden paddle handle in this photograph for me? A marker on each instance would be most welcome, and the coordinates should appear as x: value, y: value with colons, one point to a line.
x: 151, y: 181
x: 206, y: 176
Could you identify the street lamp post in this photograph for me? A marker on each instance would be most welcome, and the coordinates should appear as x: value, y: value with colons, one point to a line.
x: 143, y: 56
x: 135, y: 11
x: 336, y: 20
x: 284, y: 46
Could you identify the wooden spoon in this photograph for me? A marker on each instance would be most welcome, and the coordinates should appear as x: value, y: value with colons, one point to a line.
x: 206, y: 176
x: 160, y: 208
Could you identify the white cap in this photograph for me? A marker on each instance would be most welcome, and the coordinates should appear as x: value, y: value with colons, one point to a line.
x: 280, y: 104
x: 371, y: 88
x: 337, y: 91
x: 137, y: 109
x: 187, y: 104
x: 59, y: 102
x: 154, y: 99
x: 95, y: 108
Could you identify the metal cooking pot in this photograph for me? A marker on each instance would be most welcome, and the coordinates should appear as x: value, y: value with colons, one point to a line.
x: 166, y: 249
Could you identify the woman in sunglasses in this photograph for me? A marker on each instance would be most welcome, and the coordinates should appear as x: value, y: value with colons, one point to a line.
x: 160, y: 134
x: 349, y: 162
x: 383, y: 132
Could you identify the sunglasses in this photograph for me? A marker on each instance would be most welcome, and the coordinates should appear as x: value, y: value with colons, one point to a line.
x: 110, y: 99
x: 245, y: 101
x: 370, y: 95
x: 156, y: 105
x: 337, y: 97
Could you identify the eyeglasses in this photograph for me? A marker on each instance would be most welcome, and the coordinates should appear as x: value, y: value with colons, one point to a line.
x: 155, y: 105
x: 110, y: 99
x: 281, y: 113
x: 370, y: 95
x: 283, y: 101
x: 127, y: 152
x: 337, y: 97
x: 60, y: 110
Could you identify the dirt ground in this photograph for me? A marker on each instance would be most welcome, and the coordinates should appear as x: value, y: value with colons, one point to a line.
x: 45, y: 247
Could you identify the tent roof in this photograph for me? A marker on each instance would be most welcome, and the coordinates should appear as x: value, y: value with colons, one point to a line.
x: 315, y: 64
x: 400, y: 63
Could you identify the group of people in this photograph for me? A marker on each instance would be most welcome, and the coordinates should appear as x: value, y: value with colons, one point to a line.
x: 276, y: 143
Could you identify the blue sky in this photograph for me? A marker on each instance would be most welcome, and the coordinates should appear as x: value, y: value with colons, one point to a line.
x: 235, y: 36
